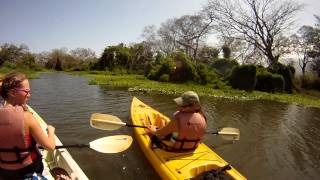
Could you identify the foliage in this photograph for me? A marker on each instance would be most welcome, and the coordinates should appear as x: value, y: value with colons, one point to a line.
x: 8, y: 67
x: 28, y: 61
x: 164, y: 78
x: 11, y: 52
x: 268, y: 82
x: 312, y: 83
x: 226, y: 52
x: 114, y: 57
x: 313, y: 36
x: 184, y: 69
x: 286, y: 73
x: 207, y: 54
x: 206, y: 75
x: 166, y: 66
x: 224, y: 66
x: 142, y: 58
x: 243, y: 77
x: 58, y: 65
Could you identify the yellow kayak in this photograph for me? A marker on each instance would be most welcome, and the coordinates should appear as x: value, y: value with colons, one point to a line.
x: 173, y: 165
x: 59, y: 158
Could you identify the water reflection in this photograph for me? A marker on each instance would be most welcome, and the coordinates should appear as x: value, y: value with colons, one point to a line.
x: 278, y: 141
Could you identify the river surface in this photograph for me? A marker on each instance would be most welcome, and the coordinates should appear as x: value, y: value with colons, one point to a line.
x: 278, y: 141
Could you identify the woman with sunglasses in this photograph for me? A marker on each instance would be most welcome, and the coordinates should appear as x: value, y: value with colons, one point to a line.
x: 20, y: 131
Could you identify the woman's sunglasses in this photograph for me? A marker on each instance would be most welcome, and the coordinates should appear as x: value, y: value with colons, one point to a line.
x: 27, y: 91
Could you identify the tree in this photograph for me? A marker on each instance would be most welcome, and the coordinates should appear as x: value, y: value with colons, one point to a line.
x: 142, y: 56
x: 12, y: 53
x: 313, y: 38
x: 207, y: 54
x: 301, y: 48
x: 56, y: 59
x: 191, y: 29
x: 186, y: 32
x: 261, y: 23
x: 83, y: 54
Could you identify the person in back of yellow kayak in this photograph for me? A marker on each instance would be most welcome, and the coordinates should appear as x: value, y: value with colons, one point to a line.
x: 188, y: 125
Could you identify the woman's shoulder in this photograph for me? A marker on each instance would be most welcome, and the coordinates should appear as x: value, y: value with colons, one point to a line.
x: 28, y: 117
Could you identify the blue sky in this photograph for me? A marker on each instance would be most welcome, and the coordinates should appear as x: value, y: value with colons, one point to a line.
x: 44, y: 25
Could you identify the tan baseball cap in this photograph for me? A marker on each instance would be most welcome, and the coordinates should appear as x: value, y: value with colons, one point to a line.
x: 188, y: 98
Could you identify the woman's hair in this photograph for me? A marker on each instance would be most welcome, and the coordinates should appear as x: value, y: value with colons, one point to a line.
x: 10, y: 81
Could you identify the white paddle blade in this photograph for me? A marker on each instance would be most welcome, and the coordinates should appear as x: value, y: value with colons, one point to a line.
x: 229, y: 133
x: 105, y: 122
x: 111, y: 144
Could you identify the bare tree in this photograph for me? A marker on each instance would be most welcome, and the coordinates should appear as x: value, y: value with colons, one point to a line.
x: 83, y: 54
x: 191, y: 29
x: 186, y: 32
x: 168, y: 36
x: 261, y: 23
x: 301, y: 48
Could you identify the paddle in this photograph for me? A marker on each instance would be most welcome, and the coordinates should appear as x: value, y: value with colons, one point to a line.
x: 109, y: 144
x: 110, y: 122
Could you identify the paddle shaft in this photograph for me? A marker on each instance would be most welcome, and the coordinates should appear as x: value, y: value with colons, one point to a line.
x: 131, y: 125
x: 70, y: 146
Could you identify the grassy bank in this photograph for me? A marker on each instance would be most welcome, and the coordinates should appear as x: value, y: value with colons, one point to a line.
x: 30, y: 74
x: 139, y: 83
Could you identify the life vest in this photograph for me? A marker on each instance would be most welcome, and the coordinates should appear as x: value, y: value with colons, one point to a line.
x: 192, y: 128
x: 15, y: 146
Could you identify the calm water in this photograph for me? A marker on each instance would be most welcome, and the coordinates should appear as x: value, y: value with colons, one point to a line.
x: 278, y: 141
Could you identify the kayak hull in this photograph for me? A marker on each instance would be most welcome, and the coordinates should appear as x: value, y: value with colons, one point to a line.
x: 59, y: 157
x: 173, y: 165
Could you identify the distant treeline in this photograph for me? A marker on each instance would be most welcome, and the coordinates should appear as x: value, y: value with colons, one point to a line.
x: 252, y: 49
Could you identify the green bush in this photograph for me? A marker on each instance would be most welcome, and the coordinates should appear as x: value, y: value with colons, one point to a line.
x: 224, y: 66
x: 184, y: 69
x: 164, y: 78
x: 205, y: 75
x: 287, y: 74
x: 312, y: 83
x: 9, y: 65
x: 268, y: 82
x: 166, y: 66
x: 243, y: 77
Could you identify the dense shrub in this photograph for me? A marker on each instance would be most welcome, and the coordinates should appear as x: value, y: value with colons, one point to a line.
x: 166, y: 66
x: 287, y: 74
x: 9, y: 65
x: 243, y: 77
x: 269, y: 82
x: 184, y: 69
x: 312, y: 83
x: 224, y: 66
x: 205, y: 75
x: 164, y: 78
x: 114, y: 57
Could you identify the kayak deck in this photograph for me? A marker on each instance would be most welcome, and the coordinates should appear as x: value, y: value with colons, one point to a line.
x: 58, y: 158
x: 173, y: 165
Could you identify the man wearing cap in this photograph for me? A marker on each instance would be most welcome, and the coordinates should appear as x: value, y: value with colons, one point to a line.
x: 188, y: 125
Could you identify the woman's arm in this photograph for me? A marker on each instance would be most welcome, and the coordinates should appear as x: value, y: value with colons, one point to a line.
x: 46, y: 141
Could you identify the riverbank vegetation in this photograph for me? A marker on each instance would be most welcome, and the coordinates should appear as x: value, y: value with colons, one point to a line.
x: 253, y: 59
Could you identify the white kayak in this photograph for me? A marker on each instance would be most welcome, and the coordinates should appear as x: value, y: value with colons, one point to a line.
x: 59, y: 158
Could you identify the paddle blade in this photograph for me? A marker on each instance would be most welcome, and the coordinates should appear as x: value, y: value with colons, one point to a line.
x: 111, y: 144
x: 228, y: 133
x: 105, y: 122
